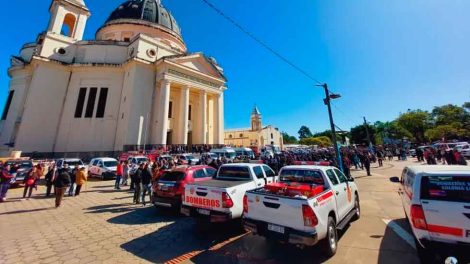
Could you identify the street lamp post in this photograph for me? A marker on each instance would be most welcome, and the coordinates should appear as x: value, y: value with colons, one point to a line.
x: 327, y: 102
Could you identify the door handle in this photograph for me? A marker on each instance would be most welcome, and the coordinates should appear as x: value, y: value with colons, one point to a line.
x: 337, y: 193
x: 259, y: 184
x: 345, y: 188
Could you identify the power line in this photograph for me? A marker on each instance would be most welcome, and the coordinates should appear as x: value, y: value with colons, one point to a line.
x: 259, y: 41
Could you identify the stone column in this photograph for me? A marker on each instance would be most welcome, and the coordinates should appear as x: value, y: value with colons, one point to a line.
x: 203, y: 115
x: 220, y: 120
x: 184, y: 114
x: 162, y: 126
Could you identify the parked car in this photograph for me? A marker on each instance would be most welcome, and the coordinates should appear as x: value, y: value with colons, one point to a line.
x: 436, y: 200
x: 306, y: 207
x: 187, y: 159
x: 221, y: 199
x: 104, y: 168
x: 19, y: 169
x: 169, y: 189
x: 73, y: 163
x: 134, y: 162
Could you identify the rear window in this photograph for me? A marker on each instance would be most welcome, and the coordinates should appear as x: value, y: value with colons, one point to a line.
x: 236, y: 173
x: 302, y: 176
x: 173, y: 176
x: 446, y: 188
x: 74, y: 162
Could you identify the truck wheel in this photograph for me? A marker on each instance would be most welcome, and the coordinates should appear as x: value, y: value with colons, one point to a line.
x: 330, y: 243
x: 357, y: 208
x: 103, y: 177
x: 425, y: 256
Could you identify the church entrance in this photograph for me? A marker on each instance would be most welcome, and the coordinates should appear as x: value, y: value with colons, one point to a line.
x: 169, y: 139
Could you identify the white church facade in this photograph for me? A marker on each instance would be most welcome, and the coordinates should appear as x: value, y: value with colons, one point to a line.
x: 135, y: 84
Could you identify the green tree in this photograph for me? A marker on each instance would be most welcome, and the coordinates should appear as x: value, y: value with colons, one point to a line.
x: 326, y: 133
x: 359, y: 134
x: 445, y: 132
x: 304, y: 132
x: 416, y: 122
x: 318, y: 141
x: 448, y: 114
x: 288, y: 139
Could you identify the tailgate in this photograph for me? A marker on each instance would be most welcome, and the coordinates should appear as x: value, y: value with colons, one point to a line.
x: 200, y: 196
x: 276, y: 210
x: 446, y: 205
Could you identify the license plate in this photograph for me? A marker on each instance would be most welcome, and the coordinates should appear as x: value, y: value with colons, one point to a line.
x: 164, y: 187
x: 204, y: 211
x: 275, y: 228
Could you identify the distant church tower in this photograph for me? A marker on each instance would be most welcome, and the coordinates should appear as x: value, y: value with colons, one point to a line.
x: 256, y: 120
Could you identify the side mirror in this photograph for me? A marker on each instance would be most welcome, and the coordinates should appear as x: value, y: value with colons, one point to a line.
x: 395, y: 179
x: 351, y: 179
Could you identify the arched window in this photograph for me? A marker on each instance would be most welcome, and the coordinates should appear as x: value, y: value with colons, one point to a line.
x: 230, y: 136
x: 69, y: 25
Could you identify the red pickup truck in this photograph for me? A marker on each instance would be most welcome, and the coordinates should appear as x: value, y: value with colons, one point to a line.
x: 169, y: 189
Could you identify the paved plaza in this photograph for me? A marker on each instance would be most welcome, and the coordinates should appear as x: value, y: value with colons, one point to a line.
x: 103, y: 226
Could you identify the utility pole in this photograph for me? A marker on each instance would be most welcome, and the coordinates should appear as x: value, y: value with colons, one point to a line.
x: 327, y: 102
x: 367, y: 132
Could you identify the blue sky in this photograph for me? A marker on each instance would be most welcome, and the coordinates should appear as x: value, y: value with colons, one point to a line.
x: 383, y: 57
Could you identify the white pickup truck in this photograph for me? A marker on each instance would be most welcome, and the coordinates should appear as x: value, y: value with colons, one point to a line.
x: 221, y: 199
x: 307, y: 206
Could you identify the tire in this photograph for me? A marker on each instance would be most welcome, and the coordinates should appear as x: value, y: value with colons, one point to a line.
x: 102, y: 177
x: 357, y: 208
x: 330, y: 243
x: 425, y: 255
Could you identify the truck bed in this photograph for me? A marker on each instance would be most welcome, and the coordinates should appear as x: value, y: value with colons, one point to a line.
x: 219, y: 183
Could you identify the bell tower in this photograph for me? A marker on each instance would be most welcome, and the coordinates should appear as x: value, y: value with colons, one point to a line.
x: 68, y: 18
x: 256, y: 120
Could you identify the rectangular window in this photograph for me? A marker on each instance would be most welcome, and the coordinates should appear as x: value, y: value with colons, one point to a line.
x: 80, y: 103
x: 7, y: 106
x: 170, y: 110
x: 448, y: 188
x: 90, y: 106
x: 102, y: 103
x: 190, y: 112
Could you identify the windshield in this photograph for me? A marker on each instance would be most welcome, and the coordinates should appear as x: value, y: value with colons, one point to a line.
x: 110, y: 163
x: 173, y: 176
x: 230, y: 155
x: 141, y: 160
x: 190, y: 157
x: 446, y: 188
x: 73, y: 162
x: 302, y: 176
x: 234, y: 172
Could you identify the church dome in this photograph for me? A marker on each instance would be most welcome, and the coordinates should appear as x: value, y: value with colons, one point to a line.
x: 149, y: 17
x: 145, y: 10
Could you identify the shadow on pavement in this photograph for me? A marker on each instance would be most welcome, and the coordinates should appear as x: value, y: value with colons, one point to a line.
x: 27, y: 211
x: 260, y: 250
x: 138, y: 215
x: 394, y: 249
x: 180, y: 238
x: 111, y: 208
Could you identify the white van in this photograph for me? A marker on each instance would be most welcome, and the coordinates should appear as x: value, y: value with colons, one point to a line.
x: 245, y: 152
x: 104, y: 168
x: 228, y: 153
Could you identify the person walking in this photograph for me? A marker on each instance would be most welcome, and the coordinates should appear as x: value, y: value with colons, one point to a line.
x: 367, y: 163
x: 146, y: 183
x: 137, y: 180
x: 50, y: 179
x: 119, y: 172
x: 61, y: 182
x: 125, y: 173
x: 73, y: 177
x: 5, y: 178
x: 30, y: 181
x: 80, y: 179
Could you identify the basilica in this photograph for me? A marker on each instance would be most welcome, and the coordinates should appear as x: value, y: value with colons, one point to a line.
x: 134, y: 84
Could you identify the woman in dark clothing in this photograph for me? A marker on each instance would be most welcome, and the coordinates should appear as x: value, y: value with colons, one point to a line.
x: 61, y: 182
x: 49, y: 180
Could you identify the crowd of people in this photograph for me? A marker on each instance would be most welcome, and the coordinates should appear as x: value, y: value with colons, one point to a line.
x: 140, y: 177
